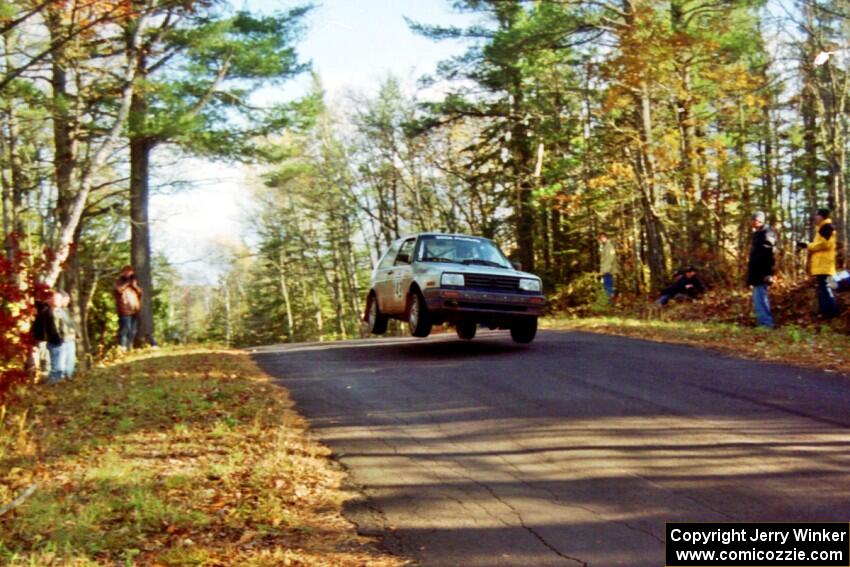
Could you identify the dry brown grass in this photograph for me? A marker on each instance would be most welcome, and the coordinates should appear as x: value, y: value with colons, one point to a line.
x: 814, y: 347
x: 173, y: 457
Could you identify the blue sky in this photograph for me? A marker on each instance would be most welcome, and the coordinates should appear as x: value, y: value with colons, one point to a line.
x: 352, y: 44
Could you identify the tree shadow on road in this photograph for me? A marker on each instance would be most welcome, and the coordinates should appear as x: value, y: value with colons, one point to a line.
x: 577, y: 446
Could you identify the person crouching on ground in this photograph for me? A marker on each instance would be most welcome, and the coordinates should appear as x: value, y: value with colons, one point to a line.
x: 128, y: 301
x: 760, y: 268
x: 685, y: 284
x: 671, y: 290
x: 822, y: 262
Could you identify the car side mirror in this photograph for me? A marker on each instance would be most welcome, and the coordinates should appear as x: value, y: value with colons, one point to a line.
x: 402, y: 259
x: 517, y: 266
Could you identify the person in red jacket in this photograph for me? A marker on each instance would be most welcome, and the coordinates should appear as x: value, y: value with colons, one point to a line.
x: 128, y: 301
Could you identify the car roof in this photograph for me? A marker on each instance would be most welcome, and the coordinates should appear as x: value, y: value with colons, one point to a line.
x: 418, y: 234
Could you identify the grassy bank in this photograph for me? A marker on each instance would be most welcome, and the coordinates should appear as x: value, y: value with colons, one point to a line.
x: 818, y: 347
x: 178, y: 457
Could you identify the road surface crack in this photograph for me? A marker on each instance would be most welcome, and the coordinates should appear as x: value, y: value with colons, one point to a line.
x: 459, y: 470
x: 519, y: 517
x: 683, y: 495
x: 555, y: 496
x: 557, y: 552
x: 552, y: 494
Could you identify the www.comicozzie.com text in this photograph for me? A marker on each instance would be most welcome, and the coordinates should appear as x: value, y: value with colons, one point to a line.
x: 743, y: 534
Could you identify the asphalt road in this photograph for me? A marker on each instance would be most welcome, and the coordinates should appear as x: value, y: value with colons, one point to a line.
x: 573, y: 450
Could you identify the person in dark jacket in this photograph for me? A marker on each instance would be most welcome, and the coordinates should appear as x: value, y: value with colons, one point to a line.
x: 670, y: 291
x: 41, y: 358
x: 686, y: 283
x: 760, y: 268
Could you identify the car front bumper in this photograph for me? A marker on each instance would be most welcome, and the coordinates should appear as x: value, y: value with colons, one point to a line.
x: 464, y: 304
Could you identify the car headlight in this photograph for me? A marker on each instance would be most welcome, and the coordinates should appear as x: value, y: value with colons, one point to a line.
x: 452, y: 279
x: 526, y: 284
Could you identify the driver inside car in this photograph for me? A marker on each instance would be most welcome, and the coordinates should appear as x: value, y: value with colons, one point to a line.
x: 464, y: 251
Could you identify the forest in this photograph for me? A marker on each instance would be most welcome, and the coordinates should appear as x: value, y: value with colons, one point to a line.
x: 663, y: 123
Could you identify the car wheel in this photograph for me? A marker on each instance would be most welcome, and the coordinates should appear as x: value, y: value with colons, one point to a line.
x: 466, y: 329
x: 377, y: 321
x: 524, y: 330
x: 418, y: 320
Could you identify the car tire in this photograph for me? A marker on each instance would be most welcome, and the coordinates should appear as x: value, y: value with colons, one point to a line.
x: 376, y: 320
x: 524, y: 330
x: 418, y: 319
x: 466, y: 330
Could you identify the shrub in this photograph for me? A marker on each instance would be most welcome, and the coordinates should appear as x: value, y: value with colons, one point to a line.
x: 18, y: 290
x: 581, y: 296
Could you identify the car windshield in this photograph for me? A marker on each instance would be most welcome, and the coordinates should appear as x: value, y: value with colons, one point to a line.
x: 461, y: 250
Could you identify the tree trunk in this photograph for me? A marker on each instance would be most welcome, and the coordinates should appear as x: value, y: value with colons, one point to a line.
x: 559, y: 241
x: 140, y: 243
x: 228, y: 315
x: 320, y: 324
x: 63, y: 145
x: 688, y: 171
x: 647, y: 181
x: 523, y: 185
x: 5, y: 182
x: 66, y: 230
x: 768, y: 180
x: 141, y: 147
x: 284, y: 291
x: 13, y: 185
x: 86, y: 295
x: 808, y: 109
x: 337, y: 293
x: 559, y: 245
x: 74, y: 288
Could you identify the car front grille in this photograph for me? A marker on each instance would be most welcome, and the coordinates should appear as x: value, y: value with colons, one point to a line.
x: 491, y: 283
x: 491, y: 306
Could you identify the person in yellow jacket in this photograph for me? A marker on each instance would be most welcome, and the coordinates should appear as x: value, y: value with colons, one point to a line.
x: 822, y: 262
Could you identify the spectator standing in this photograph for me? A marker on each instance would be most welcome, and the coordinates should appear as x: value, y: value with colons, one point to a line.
x: 50, y: 326
x: 41, y: 356
x: 822, y: 252
x: 128, y: 301
x: 608, y: 266
x: 69, y: 344
x: 760, y: 267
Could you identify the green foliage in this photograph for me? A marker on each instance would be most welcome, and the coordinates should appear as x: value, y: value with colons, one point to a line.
x: 202, y: 97
x: 662, y: 123
x: 583, y: 293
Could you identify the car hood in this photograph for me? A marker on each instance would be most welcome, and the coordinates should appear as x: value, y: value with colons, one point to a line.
x: 476, y: 269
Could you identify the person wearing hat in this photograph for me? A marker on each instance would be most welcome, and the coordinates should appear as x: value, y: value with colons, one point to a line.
x: 128, y: 301
x: 685, y: 284
x: 760, y: 268
x: 608, y: 265
x: 822, y: 262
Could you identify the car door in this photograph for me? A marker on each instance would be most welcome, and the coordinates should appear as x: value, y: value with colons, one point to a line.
x: 383, y: 278
x: 402, y: 275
